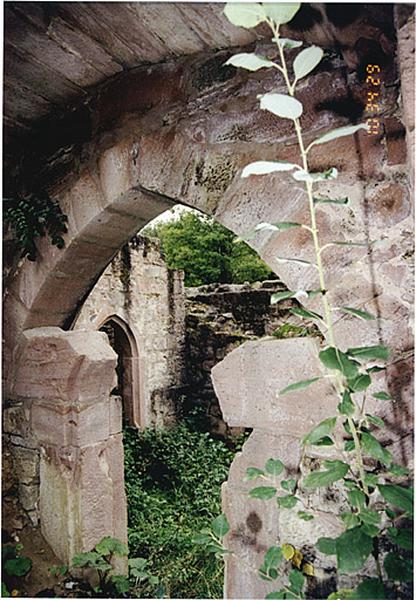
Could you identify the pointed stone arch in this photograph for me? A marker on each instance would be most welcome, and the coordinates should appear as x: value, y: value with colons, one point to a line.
x: 123, y: 342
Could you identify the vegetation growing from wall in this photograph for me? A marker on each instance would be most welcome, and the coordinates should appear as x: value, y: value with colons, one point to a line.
x: 379, y: 500
x: 206, y: 251
x: 173, y: 479
x: 34, y: 216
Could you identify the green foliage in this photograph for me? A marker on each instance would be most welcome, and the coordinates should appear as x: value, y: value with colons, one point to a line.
x: 173, y: 480
x: 206, y: 251
x: 31, y: 217
x: 14, y: 568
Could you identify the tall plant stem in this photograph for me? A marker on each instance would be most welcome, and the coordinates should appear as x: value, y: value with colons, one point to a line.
x: 317, y: 247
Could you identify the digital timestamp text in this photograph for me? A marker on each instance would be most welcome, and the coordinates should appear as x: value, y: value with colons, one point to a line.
x: 372, y: 107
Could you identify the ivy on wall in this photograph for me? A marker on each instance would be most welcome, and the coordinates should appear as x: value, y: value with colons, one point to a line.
x: 33, y: 216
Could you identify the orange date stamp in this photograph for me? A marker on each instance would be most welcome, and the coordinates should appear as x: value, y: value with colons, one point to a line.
x: 372, y: 107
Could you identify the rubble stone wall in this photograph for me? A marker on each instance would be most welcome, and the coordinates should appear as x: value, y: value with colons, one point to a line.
x: 219, y: 318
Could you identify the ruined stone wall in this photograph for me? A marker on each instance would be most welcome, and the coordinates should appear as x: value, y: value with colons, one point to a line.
x: 220, y: 317
x: 138, y: 288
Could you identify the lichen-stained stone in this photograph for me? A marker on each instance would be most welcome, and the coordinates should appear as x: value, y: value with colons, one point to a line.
x: 255, y: 524
x: 71, y: 367
x: 248, y: 380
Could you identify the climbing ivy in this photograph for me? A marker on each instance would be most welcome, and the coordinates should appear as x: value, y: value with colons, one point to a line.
x: 378, y: 522
x: 33, y: 216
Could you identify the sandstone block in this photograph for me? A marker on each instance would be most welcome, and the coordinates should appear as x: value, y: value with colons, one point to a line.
x: 52, y: 360
x: 74, y: 425
x: 248, y: 379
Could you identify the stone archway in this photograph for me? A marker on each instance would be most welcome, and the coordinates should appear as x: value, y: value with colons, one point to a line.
x: 185, y: 141
x: 128, y: 379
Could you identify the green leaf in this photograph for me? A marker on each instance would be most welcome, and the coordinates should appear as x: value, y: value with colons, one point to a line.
x: 333, y: 358
x: 281, y: 105
x: 398, y: 470
x: 370, y: 530
x: 263, y: 492
x: 282, y: 226
x: 220, y: 526
x: 340, y: 201
x: 278, y: 296
x: 359, y: 383
x: 250, y: 61
x: 305, y: 516
x: 272, y: 560
x: 287, y: 501
x: 322, y: 429
x: 373, y: 448
x: 253, y: 473
x: 341, y: 594
x: 307, y: 60
x: 279, y: 595
x: 369, y: 589
x: 18, y: 566
x: 337, y: 133
x: 109, y: 545
x: 299, y: 385
x: 353, y: 548
x: 287, y: 43
x: 326, y: 545
x: 369, y: 352
x: 376, y: 421
x: 325, y: 441
x: 121, y: 583
x: 361, y: 314
x: 371, y: 479
x: 382, y: 396
x: 4, y: 591
x: 289, y: 485
x: 375, y: 369
x: 302, y: 175
x: 397, y: 495
x: 306, y: 314
x: 357, y: 498
x: 274, y: 467
x: 398, y: 568
x: 350, y: 520
x: 337, y: 471
x: 244, y: 14
x: 202, y: 539
x: 401, y: 537
x: 264, y: 167
x: 281, y: 12
x: 370, y: 517
x: 346, y: 406
x: 297, y: 581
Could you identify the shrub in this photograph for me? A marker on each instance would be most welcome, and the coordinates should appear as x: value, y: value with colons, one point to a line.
x: 173, y: 481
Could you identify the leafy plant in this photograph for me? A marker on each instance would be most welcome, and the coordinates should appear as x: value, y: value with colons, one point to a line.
x: 173, y: 482
x: 33, y: 216
x: 369, y: 524
x: 14, y: 568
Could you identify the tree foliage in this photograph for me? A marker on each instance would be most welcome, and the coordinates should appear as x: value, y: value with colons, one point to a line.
x: 206, y: 251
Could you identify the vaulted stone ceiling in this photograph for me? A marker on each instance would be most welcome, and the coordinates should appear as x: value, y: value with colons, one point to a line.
x: 57, y: 52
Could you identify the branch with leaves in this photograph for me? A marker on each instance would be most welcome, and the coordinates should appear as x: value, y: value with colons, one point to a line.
x: 380, y: 509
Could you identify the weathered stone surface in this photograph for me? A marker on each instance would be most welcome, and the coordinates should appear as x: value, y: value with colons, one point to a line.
x: 29, y: 496
x: 140, y: 292
x: 50, y: 361
x: 255, y: 525
x: 248, y: 379
x: 26, y: 463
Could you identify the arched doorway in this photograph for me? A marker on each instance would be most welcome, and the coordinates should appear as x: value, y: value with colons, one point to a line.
x: 123, y: 343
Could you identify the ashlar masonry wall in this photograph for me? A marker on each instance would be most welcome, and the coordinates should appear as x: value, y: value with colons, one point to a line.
x: 141, y: 294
